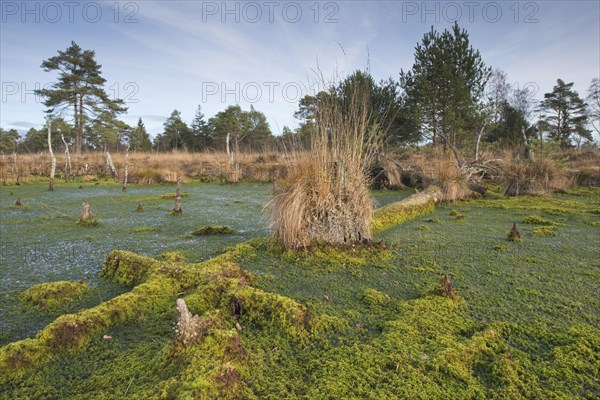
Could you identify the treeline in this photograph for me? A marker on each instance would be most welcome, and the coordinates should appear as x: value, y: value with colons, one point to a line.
x: 248, y: 131
x: 449, y: 97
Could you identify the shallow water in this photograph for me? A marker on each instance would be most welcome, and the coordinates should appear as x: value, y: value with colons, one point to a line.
x: 40, y: 242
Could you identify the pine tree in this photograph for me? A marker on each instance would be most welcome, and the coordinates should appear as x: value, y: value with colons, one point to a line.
x: 445, y: 87
x: 564, y: 114
x: 80, y: 87
x: 140, y: 139
x: 202, y: 140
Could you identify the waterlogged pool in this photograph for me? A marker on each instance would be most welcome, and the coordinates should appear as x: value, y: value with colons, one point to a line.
x: 41, y: 241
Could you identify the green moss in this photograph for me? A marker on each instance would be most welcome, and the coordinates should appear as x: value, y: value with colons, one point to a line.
x: 173, y: 256
x: 213, y: 230
x: 88, y: 222
x: 374, y: 297
x: 270, y: 309
x: 548, y: 204
x: 397, y: 213
x: 51, y: 296
x: 171, y: 195
x: 501, y: 247
x: 143, y: 229
x: 544, y: 231
x: 128, y: 268
x: 537, y: 220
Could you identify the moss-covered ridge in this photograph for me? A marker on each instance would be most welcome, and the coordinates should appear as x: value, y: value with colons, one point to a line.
x: 218, y: 283
x: 406, y: 209
x: 52, y: 296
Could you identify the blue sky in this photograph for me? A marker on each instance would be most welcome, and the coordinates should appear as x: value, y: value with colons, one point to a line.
x: 166, y: 55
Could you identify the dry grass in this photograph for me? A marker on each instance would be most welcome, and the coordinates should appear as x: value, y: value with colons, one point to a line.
x: 534, y: 177
x: 440, y: 170
x: 325, y: 198
x: 148, y: 168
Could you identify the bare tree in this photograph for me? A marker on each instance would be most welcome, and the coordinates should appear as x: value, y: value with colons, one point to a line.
x: 53, y: 165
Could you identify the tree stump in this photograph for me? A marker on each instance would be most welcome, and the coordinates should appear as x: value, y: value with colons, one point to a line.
x: 446, y: 289
x: 177, y: 208
x: 515, y: 235
x: 86, y: 218
x: 190, y: 328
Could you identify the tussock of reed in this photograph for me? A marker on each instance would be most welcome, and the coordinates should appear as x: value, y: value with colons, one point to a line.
x: 442, y: 171
x: 325, y: 198
x: 537, y: 177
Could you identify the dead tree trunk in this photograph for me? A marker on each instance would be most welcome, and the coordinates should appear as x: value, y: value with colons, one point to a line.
x: 477, y: 142
x: 67, y: 158
x: 126, y: 169
x: 53, y: 165
x: 177, y: 208
x: 109, y: 165
x: 86, y: 217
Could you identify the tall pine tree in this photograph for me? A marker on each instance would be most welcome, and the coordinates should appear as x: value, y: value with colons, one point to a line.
x: 564, y: 114
x: 79, y: 88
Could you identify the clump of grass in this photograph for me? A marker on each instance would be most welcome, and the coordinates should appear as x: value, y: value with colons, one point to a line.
x: 448, y: 177
x: 434, y: 220
x: 139, y: 208
x: 213, y: 230
x: 374, y: 297
x: 423, y: 228
x: 544, y: 231
x: 514, y: 235
x: 534, y: 177
x: 51, y: 296
x: 326, y: 198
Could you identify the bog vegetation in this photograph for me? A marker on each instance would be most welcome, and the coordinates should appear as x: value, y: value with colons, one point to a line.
x: 480, y: 283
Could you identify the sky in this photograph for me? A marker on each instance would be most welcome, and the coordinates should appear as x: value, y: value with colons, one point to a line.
x: 164, y: 55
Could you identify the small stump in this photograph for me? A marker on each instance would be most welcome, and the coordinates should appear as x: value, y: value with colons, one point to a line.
x: 515, y: 235
x: 87, y: 218
x: 18, y: 202
x: 177, y: 209
x: 446, y: 289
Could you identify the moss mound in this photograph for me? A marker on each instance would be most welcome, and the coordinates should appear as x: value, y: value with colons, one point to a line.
x: 213, y: 230
x: 52, y: 296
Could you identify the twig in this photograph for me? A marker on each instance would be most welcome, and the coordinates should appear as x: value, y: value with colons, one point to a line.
x: 130, y: 382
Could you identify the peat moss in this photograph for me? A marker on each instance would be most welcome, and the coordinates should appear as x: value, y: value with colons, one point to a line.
x: 537, y: 220
x: 173, y: 256
x: 88, y: 222
x: 545, y: 231
x: 374, y: 297
x: 128, y: 268
x: 171, y: 195
x: 213, y: 230
x: 144, y: 229
x: 52, y: 296
x: 397, y: 213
